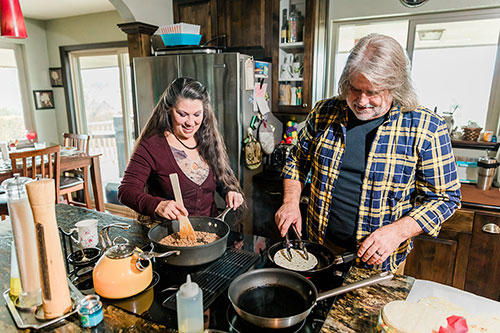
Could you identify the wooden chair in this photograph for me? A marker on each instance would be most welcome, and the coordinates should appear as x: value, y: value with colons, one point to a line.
x: 80, y: 141
x: 44, y: 162
x: 77, y: 179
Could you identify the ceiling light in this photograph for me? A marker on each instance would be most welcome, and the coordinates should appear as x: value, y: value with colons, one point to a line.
x: 12, y: 19
x: 430, y: 34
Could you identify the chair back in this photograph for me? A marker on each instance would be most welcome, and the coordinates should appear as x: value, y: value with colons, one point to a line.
x: 44, y: 162
x: 80, y: 141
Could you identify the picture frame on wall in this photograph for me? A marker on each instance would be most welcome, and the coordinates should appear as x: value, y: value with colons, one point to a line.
x: 55, y: 74
x: 44, y: 99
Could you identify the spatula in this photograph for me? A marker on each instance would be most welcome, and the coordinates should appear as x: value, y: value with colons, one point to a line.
x: 186, y: 230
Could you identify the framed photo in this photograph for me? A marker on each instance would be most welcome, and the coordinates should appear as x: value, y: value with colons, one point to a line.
x: 44, y: 99
x: 56, y: 77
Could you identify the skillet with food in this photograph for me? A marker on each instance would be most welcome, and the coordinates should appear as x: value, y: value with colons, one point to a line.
x: 326, y: 259
x: 192, y: 255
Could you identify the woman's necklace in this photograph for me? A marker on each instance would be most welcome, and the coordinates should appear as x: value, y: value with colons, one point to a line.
x: 182, y: 143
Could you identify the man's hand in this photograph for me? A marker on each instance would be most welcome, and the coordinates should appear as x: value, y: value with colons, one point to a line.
x: 288, y: 214
x: 170, y: 209
x: 384, y: 241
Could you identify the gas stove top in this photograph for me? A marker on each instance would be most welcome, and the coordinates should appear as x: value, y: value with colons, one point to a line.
x: 157, y: 302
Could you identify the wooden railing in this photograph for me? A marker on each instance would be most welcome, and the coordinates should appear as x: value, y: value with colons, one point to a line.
x: 103, y: 139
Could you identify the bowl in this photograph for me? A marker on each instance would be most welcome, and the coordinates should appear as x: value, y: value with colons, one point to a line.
x: 180, y: 39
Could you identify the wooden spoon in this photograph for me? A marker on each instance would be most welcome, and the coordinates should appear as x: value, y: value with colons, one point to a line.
x: 186, y: 230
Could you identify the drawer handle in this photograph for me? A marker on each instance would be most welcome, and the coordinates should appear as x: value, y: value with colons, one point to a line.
x: 491, y: 228
x: 273, y: 193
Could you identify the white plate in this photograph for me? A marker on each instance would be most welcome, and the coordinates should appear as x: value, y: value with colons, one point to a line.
x: 68, y: 151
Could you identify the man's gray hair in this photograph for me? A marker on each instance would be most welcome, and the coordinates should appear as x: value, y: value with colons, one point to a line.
x: 383, y: 62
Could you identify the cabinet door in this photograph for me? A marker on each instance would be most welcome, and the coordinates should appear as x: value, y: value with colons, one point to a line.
x: 201, y: 12
x: 483, y: 271
x: 248, y: 26
x: 432, y: 259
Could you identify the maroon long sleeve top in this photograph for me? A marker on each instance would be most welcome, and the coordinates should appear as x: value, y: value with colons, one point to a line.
x: 151, y: 164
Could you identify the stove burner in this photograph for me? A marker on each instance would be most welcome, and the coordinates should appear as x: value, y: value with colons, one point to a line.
x: 239, y: 325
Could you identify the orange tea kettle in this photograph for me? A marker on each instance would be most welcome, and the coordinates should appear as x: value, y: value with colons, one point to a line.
x: 124, y: 270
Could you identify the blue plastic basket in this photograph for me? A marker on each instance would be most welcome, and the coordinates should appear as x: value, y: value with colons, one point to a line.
x: 180, y: 39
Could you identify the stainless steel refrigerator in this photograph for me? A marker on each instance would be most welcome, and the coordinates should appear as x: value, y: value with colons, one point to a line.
x: 224, y: 76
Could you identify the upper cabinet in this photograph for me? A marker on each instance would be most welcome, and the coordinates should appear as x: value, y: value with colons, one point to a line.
x: 247, y: 24
x: 293, y: 59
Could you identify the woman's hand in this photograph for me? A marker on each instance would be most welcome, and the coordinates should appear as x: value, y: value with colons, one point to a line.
x: 234, y: 199
x: 170, y: 209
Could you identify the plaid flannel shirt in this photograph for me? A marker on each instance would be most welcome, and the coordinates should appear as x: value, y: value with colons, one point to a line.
x: 410, y: 171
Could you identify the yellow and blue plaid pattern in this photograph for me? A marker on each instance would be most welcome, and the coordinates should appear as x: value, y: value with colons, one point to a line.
x: 410, y: 171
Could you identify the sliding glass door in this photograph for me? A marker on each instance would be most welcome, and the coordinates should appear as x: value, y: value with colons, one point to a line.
x: 103, y: 106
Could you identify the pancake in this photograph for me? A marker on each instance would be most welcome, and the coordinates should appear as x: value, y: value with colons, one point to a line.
x: 298, y: 262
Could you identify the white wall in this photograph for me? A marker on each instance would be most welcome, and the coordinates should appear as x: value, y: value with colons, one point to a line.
x: 37, y: 77
x: 353, y: 9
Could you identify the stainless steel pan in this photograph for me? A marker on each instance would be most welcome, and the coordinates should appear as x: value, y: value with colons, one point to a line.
x: 278, y: 298
x: 192, y: 255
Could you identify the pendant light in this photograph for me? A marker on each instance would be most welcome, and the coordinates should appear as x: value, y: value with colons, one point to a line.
x: 12, y: 19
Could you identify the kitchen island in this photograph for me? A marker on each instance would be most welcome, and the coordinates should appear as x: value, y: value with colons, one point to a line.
x: 354, y: 312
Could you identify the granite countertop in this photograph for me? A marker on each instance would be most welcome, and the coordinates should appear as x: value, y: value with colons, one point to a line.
x: 355, y: 311
x: 358, y: 310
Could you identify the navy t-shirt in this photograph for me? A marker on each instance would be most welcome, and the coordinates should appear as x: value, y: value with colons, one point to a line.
x: 346, y: 193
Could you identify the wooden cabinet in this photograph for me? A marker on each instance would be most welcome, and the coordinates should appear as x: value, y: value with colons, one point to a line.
x: 444, y: 259
x: 483, y: 270
x: 463, y: 256
x: 289, y: 56
x: 246, y: 24
x: 202, y: 12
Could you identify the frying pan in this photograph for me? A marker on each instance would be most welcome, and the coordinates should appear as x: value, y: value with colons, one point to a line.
x: 326, y: 258
x: 277, y: 298
x: 192, y: 255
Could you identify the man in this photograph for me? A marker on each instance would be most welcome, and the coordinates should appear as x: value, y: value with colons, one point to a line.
x: 381, y: 167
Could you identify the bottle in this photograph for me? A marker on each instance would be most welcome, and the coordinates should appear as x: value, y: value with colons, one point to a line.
x: 292, y: 25
x: 293, y: 96
x: 300, y: 27
x: 284, y: 28
x: 190, y: 307
x: 299, y: 95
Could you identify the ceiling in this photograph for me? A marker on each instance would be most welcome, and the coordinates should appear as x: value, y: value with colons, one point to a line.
x: 52, y: 9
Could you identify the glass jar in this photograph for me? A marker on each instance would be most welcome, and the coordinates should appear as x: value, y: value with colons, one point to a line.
x: 23, y: 227
x: 90, y: 311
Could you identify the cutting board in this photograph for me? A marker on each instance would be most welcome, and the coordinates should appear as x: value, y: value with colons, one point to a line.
x: 471, y: 303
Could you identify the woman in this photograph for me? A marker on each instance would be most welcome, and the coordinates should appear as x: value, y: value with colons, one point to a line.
x: 180, y: 137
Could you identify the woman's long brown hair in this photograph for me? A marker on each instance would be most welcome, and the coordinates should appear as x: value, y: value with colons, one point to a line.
x: 211, y: 146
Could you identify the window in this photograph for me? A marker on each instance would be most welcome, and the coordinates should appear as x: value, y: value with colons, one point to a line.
x: 454, y: 59
x: 349, y: 34
x: 14, y: 118
x: 453, y: 66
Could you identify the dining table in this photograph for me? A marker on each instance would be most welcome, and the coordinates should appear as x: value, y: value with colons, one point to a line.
x: 70, y: 161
